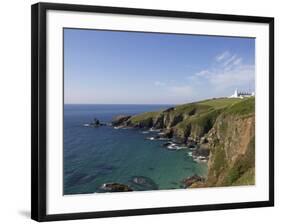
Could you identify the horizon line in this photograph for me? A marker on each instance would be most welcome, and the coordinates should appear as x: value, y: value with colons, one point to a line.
x: 191, y: 101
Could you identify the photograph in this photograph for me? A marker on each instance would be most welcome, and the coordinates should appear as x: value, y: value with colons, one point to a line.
x: 147, y: 111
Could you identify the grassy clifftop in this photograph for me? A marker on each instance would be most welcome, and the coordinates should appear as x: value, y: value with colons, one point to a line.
x: 225, y: 126
x: 193, y: 119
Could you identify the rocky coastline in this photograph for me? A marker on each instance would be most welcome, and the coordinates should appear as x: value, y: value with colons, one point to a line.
x: 219, y: 132
x: 197, y: 147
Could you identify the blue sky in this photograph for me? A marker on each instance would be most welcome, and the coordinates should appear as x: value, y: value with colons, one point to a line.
x: 106, y: 67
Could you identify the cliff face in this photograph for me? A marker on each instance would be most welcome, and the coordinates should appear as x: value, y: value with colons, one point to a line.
x: 232, y: 147
x: 185, y: 121
x: 232, y: 151
x: 225, y: 127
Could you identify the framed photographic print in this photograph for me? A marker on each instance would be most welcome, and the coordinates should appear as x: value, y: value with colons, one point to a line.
x: 139, y: 111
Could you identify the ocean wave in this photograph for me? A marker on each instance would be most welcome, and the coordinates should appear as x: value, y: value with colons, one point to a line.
x: 154, y: 130
x: 145, y: 132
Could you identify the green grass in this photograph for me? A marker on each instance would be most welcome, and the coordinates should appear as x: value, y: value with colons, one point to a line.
x: 190, y: 108
x: 203, y: 113
x: 200, y: 123
x: 206, y: 120
x: 240, y: 170
x: 219, y: 160
x: 245, y: 107
x: 144, y: 116
x: 220, y: 102
x: 248, y: 178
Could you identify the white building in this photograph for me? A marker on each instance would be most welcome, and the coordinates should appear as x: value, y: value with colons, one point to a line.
x: 241, y: 95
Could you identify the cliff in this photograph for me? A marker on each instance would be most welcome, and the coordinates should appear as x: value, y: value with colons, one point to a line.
x: 232, y: 146
x: 224, y: 127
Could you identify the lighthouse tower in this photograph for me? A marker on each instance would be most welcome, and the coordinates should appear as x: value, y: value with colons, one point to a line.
x: 235, y: 95
x: 241, y: 95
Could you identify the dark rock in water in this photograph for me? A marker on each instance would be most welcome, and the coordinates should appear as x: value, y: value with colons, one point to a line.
x: 151, y: 168
x: 168, y: 133
x: 120, y: 120
x: 191, y: 144
x: 201, y: 154
x: 171, y: 146
x: 143, y: 183
x: 202, y: 151
x: 166, y: 144
x: 193, y: 179
x: 115, y: 187
x: 178, y: 139
x: 96, y: 123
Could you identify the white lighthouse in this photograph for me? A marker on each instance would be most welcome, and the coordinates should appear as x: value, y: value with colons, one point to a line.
x: 235, y: 95
x: 241, y: 95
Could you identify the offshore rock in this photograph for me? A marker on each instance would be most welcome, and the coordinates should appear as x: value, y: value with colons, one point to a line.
x: 115, y: 187
x: 192, y: 180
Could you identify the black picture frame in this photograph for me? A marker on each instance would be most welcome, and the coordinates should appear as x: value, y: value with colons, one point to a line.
x: 38, y: 108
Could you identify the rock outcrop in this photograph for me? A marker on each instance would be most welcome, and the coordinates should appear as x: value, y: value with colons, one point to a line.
x: 115, y: 187
x: 120, y: 120
x: 195, y: 179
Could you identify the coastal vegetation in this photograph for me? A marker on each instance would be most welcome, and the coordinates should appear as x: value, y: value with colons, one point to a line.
x: 221, y: 132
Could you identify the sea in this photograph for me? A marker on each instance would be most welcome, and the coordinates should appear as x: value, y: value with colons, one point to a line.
x: 95, y: 156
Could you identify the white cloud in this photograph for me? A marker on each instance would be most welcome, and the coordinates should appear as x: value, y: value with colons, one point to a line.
x: 227, y: 73
x: 237, y: 61
x: 158, y: 83
x: 202, y: 73
x: 229, y: 61
x: 237, y: 76
x: 222, y: 56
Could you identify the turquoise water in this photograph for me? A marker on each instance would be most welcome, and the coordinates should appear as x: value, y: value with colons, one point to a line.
x: 94, y: 156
